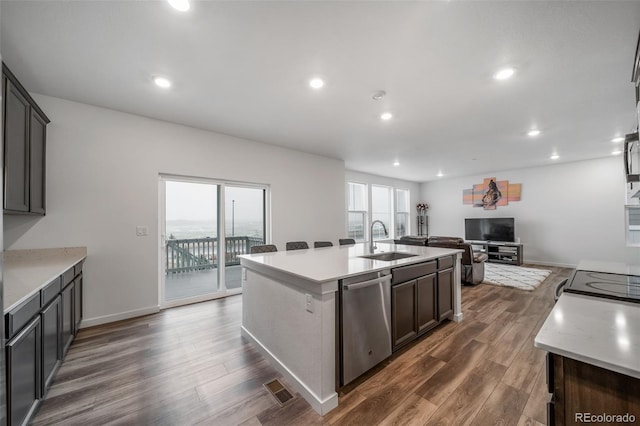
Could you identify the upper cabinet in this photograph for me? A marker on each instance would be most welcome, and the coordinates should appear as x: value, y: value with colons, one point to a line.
x: 25, y: 135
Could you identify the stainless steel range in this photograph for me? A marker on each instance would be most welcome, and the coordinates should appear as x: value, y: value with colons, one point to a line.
x: 604, y: 284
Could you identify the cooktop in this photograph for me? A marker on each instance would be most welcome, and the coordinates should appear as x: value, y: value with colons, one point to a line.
x: 603, y: 284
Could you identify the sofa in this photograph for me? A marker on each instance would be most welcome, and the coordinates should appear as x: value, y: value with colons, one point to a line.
x: 472, y: 267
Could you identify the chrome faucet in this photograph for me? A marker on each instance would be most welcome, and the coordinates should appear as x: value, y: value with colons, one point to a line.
x: 372, y: 247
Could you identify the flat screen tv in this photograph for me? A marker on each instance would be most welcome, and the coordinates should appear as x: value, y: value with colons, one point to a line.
x: 498, y: 229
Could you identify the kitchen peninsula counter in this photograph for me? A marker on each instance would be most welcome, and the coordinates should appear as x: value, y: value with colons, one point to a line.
x: 290, y: 307
x: 26, y: 271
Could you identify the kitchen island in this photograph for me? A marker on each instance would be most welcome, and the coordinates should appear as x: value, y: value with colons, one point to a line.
x: 291, y: 306
x: 593, y: 342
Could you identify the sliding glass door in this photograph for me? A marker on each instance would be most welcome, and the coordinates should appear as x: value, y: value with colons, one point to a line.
x: 206, y: 225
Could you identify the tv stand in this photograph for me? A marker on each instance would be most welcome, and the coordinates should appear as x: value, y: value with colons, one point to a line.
x: 498, y: 252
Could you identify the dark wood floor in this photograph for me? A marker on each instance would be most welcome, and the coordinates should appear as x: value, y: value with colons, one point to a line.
x: 189, y: 365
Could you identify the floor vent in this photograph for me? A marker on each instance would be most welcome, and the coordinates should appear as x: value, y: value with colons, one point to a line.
x: 279, y: 392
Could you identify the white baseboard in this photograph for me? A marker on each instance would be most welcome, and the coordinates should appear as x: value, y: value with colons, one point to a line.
x: 458, y: 317
x: 559, y: 265
x: 320, y: 406
x: 90, y: 322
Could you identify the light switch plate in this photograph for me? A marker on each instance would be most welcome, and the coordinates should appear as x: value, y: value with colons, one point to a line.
x: 142, y: 231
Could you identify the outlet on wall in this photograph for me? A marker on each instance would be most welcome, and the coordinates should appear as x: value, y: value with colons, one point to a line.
x: 309, y: 303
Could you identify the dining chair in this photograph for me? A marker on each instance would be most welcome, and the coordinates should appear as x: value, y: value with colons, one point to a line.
x: 266, y: 248
x: 297, y: 245
x: 322, y: 244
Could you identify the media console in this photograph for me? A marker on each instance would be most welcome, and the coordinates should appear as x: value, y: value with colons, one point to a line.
x: 510, y: 253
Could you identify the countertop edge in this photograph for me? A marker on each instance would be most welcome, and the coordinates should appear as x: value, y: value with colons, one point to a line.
x: 403, y: 262
x: 588, y: 360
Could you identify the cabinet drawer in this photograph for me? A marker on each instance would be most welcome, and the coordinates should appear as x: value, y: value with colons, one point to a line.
x: 50, y: 291
x: 407, y: 273
x: 67, y: 276
x: 445, y: 262
x: 20, y: 316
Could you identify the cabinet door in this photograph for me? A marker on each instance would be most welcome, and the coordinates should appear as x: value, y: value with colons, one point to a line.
x: 426, y: 300
x: 51, y: 318
x: 67, y: 318
x: 23, y: 373
x: 16, y: 150
x: 37, y: 149
x: 445, y: 294
x: 77, y: 303
x: 403, y: 313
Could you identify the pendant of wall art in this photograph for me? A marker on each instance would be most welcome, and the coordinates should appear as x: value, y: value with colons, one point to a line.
x: 492, y: 193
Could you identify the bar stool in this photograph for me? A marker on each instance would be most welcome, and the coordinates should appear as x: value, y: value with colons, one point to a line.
x: 297, y: 245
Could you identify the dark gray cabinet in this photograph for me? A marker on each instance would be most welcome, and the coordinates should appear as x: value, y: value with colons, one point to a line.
x: 425, y: 301
x: 403, y: 308
x: 445, y: 294
x: 77, y: 303
x: 23, y: 373
x: 40, y: 330
x: 67, y: 317
x: 421, y: 298
x: 16, y: 149
x: 24, y: 145
x: 51, y: 344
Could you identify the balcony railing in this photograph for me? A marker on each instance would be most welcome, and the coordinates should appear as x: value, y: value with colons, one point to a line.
x: 196, y: 254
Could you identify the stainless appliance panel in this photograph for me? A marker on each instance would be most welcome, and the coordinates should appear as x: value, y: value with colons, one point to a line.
x: 366, y: 324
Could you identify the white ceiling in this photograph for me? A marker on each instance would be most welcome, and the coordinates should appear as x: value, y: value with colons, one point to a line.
x: 242, y: 68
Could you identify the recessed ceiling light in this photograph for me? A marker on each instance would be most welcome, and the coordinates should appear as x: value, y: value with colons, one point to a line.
x: 181, y: 5
x: 616, y: 152
x: 316, y: 83
x: 162, y: 82
x: 554, y: 156
x: 533, y: 133
x: 504, y: 74
x: 386, y: 116
x: 439, y: 174
x: 396, y: 163
x: 617, y: 139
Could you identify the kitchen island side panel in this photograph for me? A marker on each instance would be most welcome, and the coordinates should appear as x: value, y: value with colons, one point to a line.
x: 299, y: 343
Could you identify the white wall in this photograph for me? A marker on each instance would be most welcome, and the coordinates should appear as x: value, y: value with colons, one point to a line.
x: 568, y: 212
x: 103, y: 171
x: 413, y: 187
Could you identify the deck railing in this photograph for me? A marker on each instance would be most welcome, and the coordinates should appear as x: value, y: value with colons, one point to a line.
x: 195, y: 254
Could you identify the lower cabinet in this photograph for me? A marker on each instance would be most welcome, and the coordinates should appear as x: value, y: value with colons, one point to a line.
x: 403, y: 308
x: 581, y: 392
x: 24, y: 365
x: 51, y: 344
x: 67, y: 317
x: 419, y: 303
x: 426, y: 303
x: 40, y: 331
x: 445, y: 294
x: 77, y: 303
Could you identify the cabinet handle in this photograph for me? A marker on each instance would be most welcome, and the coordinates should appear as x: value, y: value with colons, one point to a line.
x: 369, y: 283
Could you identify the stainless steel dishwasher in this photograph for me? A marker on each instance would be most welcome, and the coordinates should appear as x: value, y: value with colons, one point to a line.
x: 365, y: 323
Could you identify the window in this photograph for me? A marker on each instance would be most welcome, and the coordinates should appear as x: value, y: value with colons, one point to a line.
x: 357, y: 211
x: 381, y: 209
x: 402, y: 212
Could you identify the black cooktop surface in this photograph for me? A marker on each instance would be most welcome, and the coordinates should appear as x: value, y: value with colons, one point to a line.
x: 602, y: 284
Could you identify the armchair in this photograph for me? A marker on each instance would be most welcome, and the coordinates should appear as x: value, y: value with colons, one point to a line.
x: 472, y: 268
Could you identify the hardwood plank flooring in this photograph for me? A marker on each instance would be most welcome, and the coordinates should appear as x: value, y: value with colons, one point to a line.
x: 189, y: 365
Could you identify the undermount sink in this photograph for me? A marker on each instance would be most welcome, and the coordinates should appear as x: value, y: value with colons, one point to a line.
x: 389, y: 256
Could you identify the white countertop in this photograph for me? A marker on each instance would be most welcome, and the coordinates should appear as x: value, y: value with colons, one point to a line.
x: 334, y: 263
x: 598, y: 331
x: 26, y: 271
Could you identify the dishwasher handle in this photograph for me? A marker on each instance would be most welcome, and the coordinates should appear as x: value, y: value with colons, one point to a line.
x: 369, y: 283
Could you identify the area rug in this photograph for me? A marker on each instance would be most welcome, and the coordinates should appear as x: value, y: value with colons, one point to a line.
x: 514, y: 276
